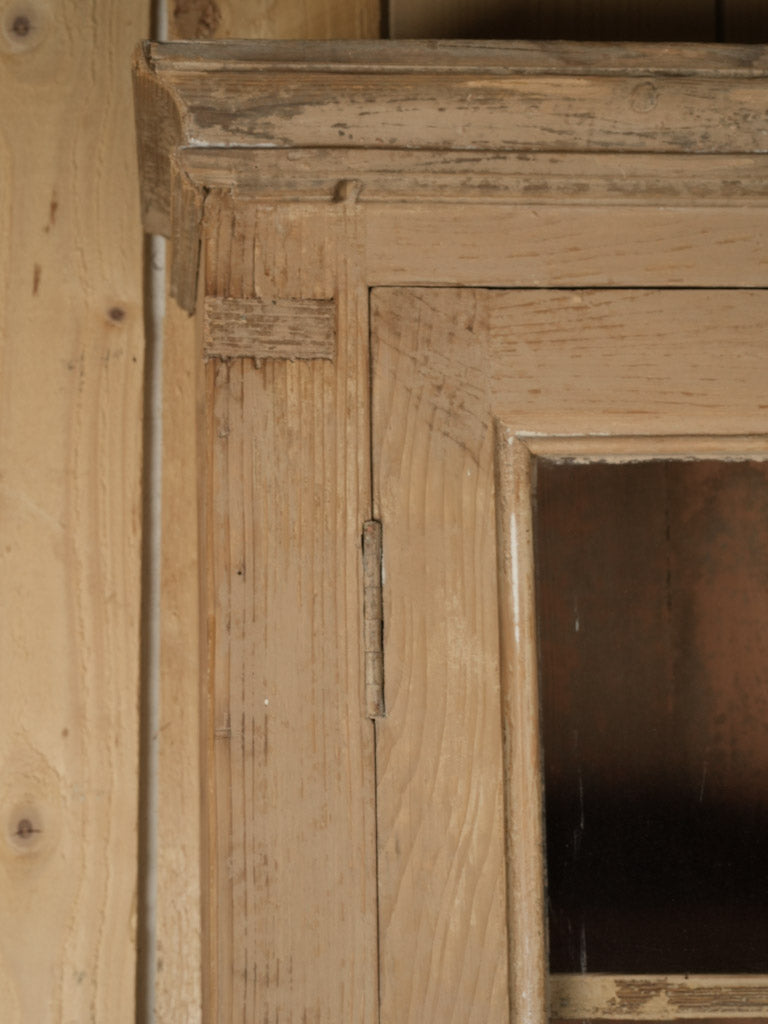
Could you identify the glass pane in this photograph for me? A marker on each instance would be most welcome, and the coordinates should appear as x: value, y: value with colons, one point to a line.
x: 652, y: 594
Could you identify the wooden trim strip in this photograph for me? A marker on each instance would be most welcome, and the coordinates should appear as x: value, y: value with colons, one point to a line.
x: 280, y: 329
x: 523, y: 796
x: 642, y: 448
x: 447, y: 56
x: 460, y: 111
x: 647, y: 997
x: 435, y: 176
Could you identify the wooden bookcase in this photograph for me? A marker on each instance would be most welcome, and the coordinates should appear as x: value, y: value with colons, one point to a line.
x: 417, y: 270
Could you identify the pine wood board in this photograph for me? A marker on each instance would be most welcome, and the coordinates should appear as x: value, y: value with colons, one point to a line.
x: 317, y: 175
x: 648, y: 997
x: 442, y: 905
x: 448, y: 365
x: 183, y: 864
x: 588, y: 112
x: 445, y: 56
x: 539, y: 246
x: 300, y: 19
x: 70, y: 466
x: 290, y: 820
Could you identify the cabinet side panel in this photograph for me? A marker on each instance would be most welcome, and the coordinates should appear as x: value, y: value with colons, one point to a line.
x: 443, y: 929
x: 178, y: 994
x: 291, y: 825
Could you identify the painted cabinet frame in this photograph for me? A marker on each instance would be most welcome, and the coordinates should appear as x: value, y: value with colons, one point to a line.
x: 292, y: 178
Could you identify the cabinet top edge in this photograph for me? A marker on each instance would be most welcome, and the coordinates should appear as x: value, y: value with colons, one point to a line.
x: 432, y: 57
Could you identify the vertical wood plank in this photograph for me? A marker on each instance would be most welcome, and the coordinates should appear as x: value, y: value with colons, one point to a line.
x: 442, y: 903
x: 179, y: 962
x: 291, y: 824
x: 635, y: 20
x: 70, y: 495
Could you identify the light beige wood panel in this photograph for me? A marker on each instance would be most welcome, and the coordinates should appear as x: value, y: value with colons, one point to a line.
x: 443, y: 935
x: 634, y: 362
x: 290, y: 817
x: 179, y: 955
x: 71, y: 350
x: 452, y: 367
x: 692, y: 20
x: 541, y: 247
x: 178, y: 916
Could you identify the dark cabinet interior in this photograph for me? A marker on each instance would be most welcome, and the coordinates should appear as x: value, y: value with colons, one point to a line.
x: 652, y: 589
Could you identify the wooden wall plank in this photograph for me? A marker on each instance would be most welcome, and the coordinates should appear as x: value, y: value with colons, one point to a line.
x: 649, y: 20
x: 179, y: 957
x: 71, y: 348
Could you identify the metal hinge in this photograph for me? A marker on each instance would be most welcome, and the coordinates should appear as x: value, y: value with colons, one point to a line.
x: 373, y: 620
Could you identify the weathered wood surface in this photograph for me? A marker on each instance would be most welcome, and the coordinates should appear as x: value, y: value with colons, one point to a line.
x: 645, y: 997
x: 71, y: 348
x: 449, y: 365
x: 317, y: 175
x: 471, y: 110
x: 546, y: 97
x: 442, y: 887
x: 290, y: 820
x: 181, y: 860
x: 279, y: 329
x: 559, y: 57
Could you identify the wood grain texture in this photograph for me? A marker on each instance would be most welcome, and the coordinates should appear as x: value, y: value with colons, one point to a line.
x: 178, y: 990
x: 70, y: 494
x: 646, y: 362
x: 442, y: 903
x: 538, y: 246
x: 691, y: 20
x: 557, y: 57
x: 279, y: 329
x: 300, y: 19
x: 645, y: 997
x: 484, y: 110
x: 447, y: 364
x: 290, y: 821
x: 526, y: 868
x: 519, y: 96
x: 430, y: 176
x: 182, y: 862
